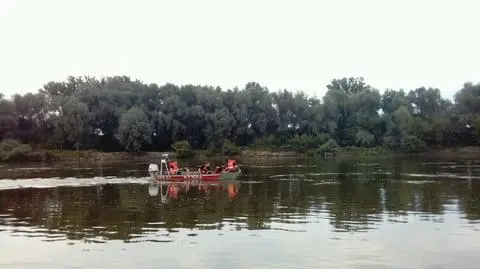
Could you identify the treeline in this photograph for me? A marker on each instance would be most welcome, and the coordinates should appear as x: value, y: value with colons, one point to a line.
x: 117, y: 113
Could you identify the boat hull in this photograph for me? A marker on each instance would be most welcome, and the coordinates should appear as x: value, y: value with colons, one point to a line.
x: 198, y: 176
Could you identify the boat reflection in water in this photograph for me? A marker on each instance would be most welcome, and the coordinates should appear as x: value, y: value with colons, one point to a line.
x: 171, y: 190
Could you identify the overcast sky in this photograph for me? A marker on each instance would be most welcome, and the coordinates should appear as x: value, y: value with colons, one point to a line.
x: 297, y: 45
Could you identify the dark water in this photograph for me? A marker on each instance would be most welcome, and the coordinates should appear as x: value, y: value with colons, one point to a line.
x: 313, y: 213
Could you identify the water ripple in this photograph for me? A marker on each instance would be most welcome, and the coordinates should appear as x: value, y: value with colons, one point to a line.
x: 9, y: 184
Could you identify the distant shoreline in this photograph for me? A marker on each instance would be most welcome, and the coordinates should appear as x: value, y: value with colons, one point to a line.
x: 92, y: 156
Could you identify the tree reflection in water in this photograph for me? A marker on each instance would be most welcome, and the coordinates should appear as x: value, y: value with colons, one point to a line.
x: 349, y: 196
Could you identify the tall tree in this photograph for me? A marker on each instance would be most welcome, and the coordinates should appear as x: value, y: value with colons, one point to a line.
x: 75, y: 119
x: 118, y: 112
x: 353, y: 107
x: 8, y: 123
x: 134, y: 131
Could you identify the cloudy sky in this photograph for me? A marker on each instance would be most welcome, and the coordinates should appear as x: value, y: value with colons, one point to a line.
x: 297, y: 45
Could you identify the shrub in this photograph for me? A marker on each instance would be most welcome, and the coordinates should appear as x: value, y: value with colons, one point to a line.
x: 305, y: 142
x: 329, y: 146
x: 13, y: 150
x: 390, y: 142
x: 230, y: 148
x: 182, y: 149
x: 268, y: 141
x: 297, y: 142
x: 413, y: 144
x: 364, y: 139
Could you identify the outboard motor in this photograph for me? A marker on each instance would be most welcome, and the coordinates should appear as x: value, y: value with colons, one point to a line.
x: 152, y: 170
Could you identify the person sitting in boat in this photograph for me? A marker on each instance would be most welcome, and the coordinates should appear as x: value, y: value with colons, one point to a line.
x: 173, y: 166
x: 205, y: 168
x: 218, y: 169
x: 231, y: 166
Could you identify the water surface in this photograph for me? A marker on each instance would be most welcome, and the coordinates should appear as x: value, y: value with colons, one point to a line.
x: 290, y: 213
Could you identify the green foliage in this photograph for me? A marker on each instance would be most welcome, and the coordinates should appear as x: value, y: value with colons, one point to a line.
x: 390, y: 142
x: 11, y: 149
x: 364, y: 139
x: 8, y: 121
x: 329, y: 146
x: 118, y: 113
x: 182, y: 149
x: 75, y: 119
x: 305, y: 142
x: 352, y: 111
x: 296, y: 142
x: 269, y: 141
x: 301, y: 142
x: 366, y: 151
x: 230, y: 149
x: 412, y: 144
x: 134, y: 130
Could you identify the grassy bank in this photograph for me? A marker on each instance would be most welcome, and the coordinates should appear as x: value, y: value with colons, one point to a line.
x: 20, y: 153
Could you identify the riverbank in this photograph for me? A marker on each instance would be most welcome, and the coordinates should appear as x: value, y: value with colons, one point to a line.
x: 92, y: 156
x: 201, y: 155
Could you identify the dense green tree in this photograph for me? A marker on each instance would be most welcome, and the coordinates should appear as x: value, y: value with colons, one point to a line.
x: 393, y: 100
x: 118, y: 113
x: 467, y: 100
x: 8, y: 123
x: 352, y: 106
x: 134, y: 130
x: 75, y: 119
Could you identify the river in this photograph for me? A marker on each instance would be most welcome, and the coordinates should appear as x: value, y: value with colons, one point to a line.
x: 375, y: 212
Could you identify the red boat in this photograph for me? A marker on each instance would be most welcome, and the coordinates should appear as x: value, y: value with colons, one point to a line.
x: 169, y: 171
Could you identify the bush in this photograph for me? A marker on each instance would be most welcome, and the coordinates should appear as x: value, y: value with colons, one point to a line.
x: 301, y: 142
x: 329, y: 146
x: 182, y: 149
x: 305, y: 142
x: 413, y: 144
x: 390, y: 142
x: 230, y: 148
x: 364, y: 139
x: 268, y: 141
x: 13, y: 150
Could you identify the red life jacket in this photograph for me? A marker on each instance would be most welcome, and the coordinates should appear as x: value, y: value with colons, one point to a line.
x: 231, y: 164
x: 173, y: 167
